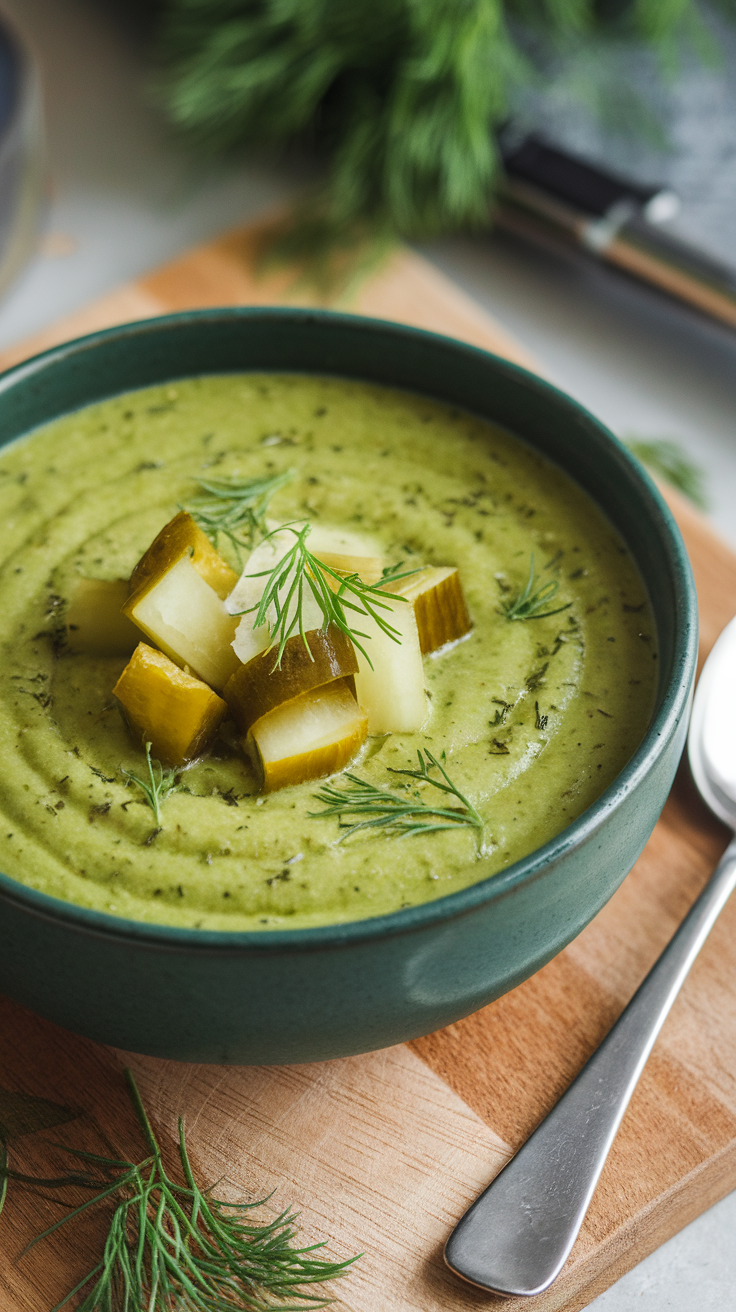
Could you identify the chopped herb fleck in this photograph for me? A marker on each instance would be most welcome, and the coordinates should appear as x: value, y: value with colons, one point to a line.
x: 537, y: 677
x: 499, y: 748
x: 500, y: 715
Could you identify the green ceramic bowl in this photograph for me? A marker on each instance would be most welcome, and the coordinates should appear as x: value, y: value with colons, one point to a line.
x: 306, y: 995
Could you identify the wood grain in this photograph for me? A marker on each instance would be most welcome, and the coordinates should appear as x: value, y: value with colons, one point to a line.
x: 85, y: 1080
x: 349, y: 1143
x: 382, y: 1153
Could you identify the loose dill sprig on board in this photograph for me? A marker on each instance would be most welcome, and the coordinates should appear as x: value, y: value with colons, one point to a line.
x: 530, y: 602
x: 160, y: 784
x: 173, y: 1247
x: 401, y: 814
x: 235, y: 508
x: 298, y: 570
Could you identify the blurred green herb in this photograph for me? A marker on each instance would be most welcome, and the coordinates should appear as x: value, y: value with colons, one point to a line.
x: 667, y: 460
x: 400, y: 98
x: 175, y: 1246
x: 329, y: 258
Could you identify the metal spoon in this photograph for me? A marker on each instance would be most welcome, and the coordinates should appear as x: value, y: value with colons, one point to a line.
x: 516, y: 1238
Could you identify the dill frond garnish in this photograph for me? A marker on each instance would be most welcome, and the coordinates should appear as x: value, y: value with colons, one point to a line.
x: 530, y: 602
x: 159, y: 785
x: 298, y: 570
x: 177, y: 1246
x: 400, y: 814
x: 235, y: 509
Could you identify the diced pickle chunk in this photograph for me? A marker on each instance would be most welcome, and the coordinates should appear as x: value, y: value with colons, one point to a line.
x: 326, y: 537
x: 392, y: 692
x: 94, y: 623
x: 308, y: 737
x: 185, y: 617
x: 368, y: 568
x: 182, y: 537
x: 439, y: 605
x: 261, y: 685
x: 178, y: 714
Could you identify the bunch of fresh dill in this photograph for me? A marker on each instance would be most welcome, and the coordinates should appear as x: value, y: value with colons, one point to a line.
x: 173, y: 1246
x: 400, y: 97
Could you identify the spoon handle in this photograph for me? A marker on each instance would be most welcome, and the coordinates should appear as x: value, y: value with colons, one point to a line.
x: 517, y: 1236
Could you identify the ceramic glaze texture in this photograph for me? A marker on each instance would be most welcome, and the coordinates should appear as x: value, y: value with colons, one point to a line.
x: 323, y: 992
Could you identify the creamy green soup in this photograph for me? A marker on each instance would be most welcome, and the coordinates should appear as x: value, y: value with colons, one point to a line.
x: 535, y: 717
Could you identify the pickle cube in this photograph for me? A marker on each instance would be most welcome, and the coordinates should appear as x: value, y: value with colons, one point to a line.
x: 308, y: 737
x: 368, y: 568
x: 178, y: 714
x: 439, y: 605
x: 392, y: 692
x: 182, y: 537
x: 94, y: 624
x: 262, y: 685
x: 175, y: 605
x: 246, y: 597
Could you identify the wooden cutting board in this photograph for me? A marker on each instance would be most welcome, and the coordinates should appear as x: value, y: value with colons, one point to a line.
x: 381, y: 1154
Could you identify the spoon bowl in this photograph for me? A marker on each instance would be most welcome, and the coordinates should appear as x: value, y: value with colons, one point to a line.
x: 712, y: 734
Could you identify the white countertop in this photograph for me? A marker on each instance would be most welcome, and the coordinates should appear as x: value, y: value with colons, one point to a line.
x: 125, y: 198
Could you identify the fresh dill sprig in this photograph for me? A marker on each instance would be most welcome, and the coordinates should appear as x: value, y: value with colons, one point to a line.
x: 235, y: 508
x: 175, y: 1246
x: 666, y: 459
x: 404, y: 814
x: 159, y: 785
x: 298, y: 570
x: 530, y: 602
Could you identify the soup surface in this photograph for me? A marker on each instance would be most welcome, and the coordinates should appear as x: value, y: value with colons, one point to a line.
x: 535, y: 717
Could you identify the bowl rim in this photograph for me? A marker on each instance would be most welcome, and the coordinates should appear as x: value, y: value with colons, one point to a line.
x: 673, y: 698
